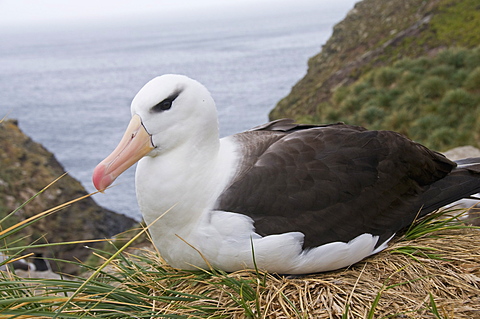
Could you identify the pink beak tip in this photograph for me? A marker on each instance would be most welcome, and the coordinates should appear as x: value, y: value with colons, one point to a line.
x: 101, y: 180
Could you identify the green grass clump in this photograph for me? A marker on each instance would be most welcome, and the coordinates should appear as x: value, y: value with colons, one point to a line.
x: 472, y: 82
x: 432, y: 87
x: 434, y: 101
x: 385, y: 77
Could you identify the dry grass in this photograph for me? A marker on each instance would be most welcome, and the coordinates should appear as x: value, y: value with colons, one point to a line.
x: 391, y: 284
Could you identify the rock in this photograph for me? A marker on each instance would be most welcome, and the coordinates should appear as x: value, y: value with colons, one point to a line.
x: 26, y: 167
x: 473, y: 215
x: 462, y: 152
x: 38, y: 274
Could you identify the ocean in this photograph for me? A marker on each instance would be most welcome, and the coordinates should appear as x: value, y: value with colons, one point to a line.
x: 70, y: 87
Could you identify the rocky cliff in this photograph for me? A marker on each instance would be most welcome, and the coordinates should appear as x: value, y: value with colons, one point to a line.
x: 27, y: 167
x: 378, y: 33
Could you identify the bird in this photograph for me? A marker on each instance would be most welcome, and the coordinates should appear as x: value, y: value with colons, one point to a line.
x: 282, y: 197
x: 39, y: 263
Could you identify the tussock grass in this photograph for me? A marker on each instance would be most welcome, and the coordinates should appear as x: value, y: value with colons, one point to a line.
x: 433, y: 100
x: 431, y: 271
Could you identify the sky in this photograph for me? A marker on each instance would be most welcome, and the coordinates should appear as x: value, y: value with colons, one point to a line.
x: 53, y: 12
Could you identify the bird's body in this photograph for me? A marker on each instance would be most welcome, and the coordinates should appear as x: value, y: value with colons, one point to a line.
x: 288, y: 198
x: 225, y: 236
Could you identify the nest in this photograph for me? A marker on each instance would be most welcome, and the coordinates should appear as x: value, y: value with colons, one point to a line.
x: 431, y: 277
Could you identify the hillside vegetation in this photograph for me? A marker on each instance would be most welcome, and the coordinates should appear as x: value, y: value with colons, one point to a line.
x: 380, y: 62
x: 432, y: 100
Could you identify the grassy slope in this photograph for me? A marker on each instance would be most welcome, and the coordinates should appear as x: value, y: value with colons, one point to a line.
x: 432, y: 100
x: 377, y: 34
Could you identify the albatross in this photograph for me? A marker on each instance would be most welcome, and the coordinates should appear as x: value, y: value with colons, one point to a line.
x: 284, y: 197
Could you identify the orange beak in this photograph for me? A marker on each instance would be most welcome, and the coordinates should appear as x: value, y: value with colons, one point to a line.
x: 135, y: 143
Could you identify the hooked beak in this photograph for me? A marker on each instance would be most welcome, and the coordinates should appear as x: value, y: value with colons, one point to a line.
x: 135, y: 143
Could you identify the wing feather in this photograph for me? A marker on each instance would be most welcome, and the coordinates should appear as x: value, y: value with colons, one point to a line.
x: 331, y: 182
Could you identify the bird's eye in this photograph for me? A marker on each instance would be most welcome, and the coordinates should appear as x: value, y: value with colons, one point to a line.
x: 166, y: 104
x: 163, y: 106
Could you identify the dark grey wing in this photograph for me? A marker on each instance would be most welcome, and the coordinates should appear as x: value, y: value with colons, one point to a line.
x: 331, y: 183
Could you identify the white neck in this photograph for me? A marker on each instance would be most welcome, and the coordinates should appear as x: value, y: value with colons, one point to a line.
x: 185, y: 182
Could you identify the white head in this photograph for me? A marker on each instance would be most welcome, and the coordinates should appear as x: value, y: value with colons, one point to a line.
x: 175, y: 109
x: 168, y: 112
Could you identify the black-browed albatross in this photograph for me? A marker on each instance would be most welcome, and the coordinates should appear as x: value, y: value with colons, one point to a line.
x: 307, y: 198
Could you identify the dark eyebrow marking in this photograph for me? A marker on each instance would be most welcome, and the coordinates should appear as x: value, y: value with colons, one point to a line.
x: 166, y: 104
x: 175, y: 94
